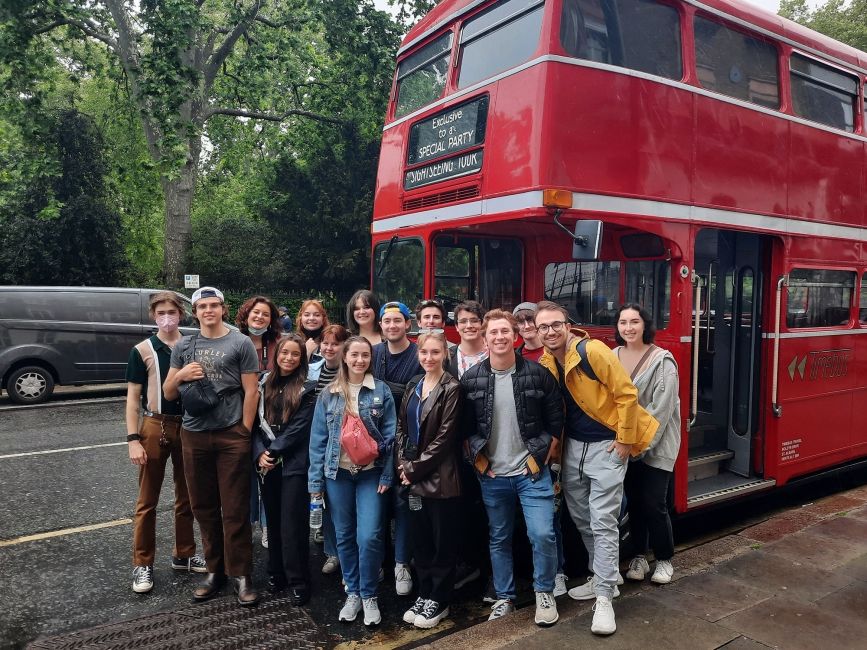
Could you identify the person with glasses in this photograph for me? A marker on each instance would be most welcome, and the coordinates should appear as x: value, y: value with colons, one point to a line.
x: 471, y: 350
x: 531, y: 348
x: 154, y: 442
x: 395, y: 361
x: 513, y: 418
x: 604, y: 425
x: 531, y: 345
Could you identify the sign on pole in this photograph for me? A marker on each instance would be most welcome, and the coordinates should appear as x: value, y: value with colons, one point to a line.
x: 191, y: 282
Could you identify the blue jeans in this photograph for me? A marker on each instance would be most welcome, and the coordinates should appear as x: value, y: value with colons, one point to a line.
x: 330, y: 546
x: 356, y: 510
x: 500, y: 495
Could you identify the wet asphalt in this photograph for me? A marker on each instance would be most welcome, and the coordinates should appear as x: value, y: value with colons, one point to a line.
x: 65, y: 536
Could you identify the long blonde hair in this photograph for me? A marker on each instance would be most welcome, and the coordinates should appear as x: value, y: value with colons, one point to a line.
x: 341, y: 380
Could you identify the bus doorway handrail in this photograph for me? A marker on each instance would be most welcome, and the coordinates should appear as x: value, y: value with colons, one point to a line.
x: 698, y: 281
x: 775, y: 371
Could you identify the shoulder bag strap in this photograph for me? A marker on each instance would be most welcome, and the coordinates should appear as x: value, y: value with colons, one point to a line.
x: 640, y: 364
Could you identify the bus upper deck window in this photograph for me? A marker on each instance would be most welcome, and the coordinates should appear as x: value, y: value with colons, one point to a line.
x: 823, y: 94
x: 637, y: 34
x: 499, y: 38
x: 736, y: 64
x: 421, y: 77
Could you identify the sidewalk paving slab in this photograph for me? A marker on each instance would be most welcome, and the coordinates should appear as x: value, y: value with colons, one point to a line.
x: 795, y: 625
x: 643, y: 620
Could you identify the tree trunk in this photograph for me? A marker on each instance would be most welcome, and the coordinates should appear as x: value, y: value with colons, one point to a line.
x: 178, y: 192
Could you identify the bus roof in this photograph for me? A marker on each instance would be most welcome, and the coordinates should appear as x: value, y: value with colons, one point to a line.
x: 739, y: 11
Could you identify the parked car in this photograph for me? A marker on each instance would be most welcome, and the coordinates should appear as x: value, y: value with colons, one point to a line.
x: 51, y: 336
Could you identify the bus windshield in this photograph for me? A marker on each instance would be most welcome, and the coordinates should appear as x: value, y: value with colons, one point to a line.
x: 398, y: 270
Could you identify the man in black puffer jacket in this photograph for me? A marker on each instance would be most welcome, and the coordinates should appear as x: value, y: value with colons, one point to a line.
x: 513, y: 418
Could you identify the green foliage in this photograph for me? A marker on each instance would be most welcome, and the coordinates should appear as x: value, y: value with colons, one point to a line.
x: 843, y: 20
x: 60, y: 230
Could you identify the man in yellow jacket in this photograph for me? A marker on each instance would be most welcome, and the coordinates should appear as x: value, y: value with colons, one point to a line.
x: 604, y: 425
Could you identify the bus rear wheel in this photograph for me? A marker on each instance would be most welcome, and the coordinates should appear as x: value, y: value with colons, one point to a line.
x: 30, y: 385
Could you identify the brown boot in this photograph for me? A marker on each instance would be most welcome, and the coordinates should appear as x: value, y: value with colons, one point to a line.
x: 247, y: 596
x: 210, y: 586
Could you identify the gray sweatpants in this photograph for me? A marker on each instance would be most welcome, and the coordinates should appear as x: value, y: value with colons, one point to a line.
x: 592, y: 481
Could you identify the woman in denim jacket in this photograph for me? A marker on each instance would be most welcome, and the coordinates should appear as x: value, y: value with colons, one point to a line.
x: 355, y: 493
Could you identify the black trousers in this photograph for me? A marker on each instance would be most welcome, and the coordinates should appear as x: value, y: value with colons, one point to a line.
x: 647, y: 491
x: 435, y: 534
x: 287, y: 507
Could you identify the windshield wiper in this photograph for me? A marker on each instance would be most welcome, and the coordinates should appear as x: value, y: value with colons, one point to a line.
x: 386, y: 256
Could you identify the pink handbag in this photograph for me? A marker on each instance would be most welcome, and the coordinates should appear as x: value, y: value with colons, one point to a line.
x: 357, y: 442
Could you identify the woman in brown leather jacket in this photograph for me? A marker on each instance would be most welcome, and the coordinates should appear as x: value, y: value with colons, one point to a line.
x: 427, y: 466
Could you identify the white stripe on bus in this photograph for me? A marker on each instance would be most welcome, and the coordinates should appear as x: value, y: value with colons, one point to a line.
x: 624, y: 205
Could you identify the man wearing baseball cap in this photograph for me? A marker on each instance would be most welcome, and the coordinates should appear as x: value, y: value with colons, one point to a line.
x: 216, y: 443
x: 531, y: 348
x: 395, y: 361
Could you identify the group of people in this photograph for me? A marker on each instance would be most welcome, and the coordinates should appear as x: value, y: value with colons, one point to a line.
x: 373, y: 432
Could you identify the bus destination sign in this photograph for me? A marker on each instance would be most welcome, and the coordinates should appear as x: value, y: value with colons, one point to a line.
x: 461, y: 165
x: 460, y: 127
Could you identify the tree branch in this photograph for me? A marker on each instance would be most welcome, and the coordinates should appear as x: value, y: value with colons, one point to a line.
x: 271, y: 117
x: 216, y: 59
x: 88, y: 28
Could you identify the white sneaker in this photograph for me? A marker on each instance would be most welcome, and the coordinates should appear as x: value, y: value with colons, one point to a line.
x: 603, y: 617
x: 350, y: 608
x: 587, y: 591
x: 402, y: 579
x: 560, y: 585
x: 663, y: 572
x: 142, y: 579
x: 638, y: 568
x: 331, y: 564
x: 546, y: 609
x: 371, y: 611
x: 416, y: 609
x: 501, y: 608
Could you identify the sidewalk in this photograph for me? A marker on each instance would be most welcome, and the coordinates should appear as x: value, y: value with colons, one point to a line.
x: 797, y: 580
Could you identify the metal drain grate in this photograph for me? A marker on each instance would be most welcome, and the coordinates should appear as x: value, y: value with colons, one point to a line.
x: 221, y: 625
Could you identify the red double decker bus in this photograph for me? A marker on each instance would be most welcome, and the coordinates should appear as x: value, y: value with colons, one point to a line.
x: 717, y: 150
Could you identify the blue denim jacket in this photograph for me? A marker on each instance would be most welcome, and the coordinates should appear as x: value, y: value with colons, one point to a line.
x: 376, y: 408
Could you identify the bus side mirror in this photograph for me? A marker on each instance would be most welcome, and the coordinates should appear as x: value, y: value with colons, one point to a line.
x: 587, y: 241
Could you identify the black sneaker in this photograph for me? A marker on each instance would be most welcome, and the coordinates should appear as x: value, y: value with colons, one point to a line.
x: 194, y: 564
x: 490, y: 594
x: 465, y: 574
x: 416, y: 609
x: 431, y: 615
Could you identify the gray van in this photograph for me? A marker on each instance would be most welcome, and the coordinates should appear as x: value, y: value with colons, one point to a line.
x: 71, y: 336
